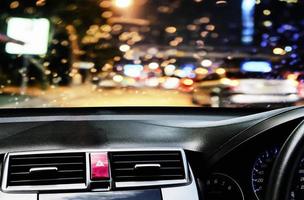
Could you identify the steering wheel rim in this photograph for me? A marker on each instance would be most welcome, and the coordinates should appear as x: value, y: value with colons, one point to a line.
x: 284, y: 168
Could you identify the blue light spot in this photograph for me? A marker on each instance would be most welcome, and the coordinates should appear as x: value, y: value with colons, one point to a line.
x: 248, y: 7
x: 288, y: 48
x: 288, y: 27
x: 293, y: 55
x: 247, y: 39
x: 296, y: 36
x: 281, y: 30
x: 256, y: 66
x: 265, y: 36
x: 263, y: 44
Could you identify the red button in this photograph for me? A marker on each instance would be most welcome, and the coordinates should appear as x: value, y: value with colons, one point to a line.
x: 99, y: 166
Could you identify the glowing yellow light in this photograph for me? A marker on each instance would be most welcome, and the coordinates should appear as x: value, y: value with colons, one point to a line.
x: 173, y: 43
x: 123, y: 3
x: 118, y: 78
x: 40, y: 2
x: 279, y: 51
x: 227, y: 81
x: 124, y: 48
x: 204, y: 20
x: 266, y: 12
x: 290, y: 1
x: 107, y: 14
x: 234, y: 83
x: 169, y: 70
x: 14, y: 4
x: 220, y: 71
x: 179, y: 39
x: 170, y: 29
x: 267, y: 23
x: 116, y: 58
x: 106, y: 28
x: 47, y: 72
x: 153, y: 65
x: 93, y: 70
x: 105, y: 4
x: 210, y: 27
x: 161, y: 79
x: 117, y: 27
x: 204, y: 34
x: 201, y: 71
x: 188, y: 82
x: 191, y: 27
x: 292, y: 77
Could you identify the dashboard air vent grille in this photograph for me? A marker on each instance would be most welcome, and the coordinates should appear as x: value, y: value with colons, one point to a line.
x: 147, y: 166
x: 46, y: 169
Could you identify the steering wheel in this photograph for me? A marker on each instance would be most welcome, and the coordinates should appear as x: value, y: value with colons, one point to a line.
x: 284, y: 168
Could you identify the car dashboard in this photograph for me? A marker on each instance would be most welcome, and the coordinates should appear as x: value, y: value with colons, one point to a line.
x: 142, y: 153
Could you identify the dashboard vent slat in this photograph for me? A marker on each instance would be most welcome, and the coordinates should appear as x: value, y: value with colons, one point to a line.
x: 171, y: 166
x: 70, y: 168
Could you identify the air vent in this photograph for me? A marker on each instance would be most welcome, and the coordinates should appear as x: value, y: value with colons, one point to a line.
x: 46, y: 169
x: 147, y: 166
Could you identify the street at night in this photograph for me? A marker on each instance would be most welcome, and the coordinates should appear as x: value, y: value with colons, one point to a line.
x: 89, y: 96
x: 97, y: 53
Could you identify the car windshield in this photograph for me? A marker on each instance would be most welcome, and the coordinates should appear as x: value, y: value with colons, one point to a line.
x: 98, y: 53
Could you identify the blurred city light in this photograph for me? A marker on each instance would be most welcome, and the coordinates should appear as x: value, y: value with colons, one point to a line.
x: 294, y: 82
x: 14, y: 5
x: 123, y: 3
x: 292, y: 76
x: 153, y: 65
x: 266, y: 12
x: 248, y: 7
x: 33, y: 32
x: 118, y: 78
x: 124, y: 48
x: 279, y: 51
x: 171, y: 83
x: 152, y: 82
x: 256, y: 66
x: 188, y: 70
x: 170, y: 29
x: 148, y: 46
x: 227, y: 81
x: 188, y: 82
x: 133, y: 70
x: 201, y: 71
x: 290, y: 1
x: 169, y: 70
x: 267, y: 23
x: 220, y: 71
x: 206, y: 63
x: 288, y: 48
x: 83, y: 65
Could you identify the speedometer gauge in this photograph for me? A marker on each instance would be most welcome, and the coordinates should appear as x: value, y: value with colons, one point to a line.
x: 261, y: 171
x: 221, y: 187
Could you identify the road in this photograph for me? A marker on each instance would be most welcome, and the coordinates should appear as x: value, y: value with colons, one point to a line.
x: 90, y: 96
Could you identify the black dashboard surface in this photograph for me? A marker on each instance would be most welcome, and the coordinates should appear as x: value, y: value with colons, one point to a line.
x: 199, y: 131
